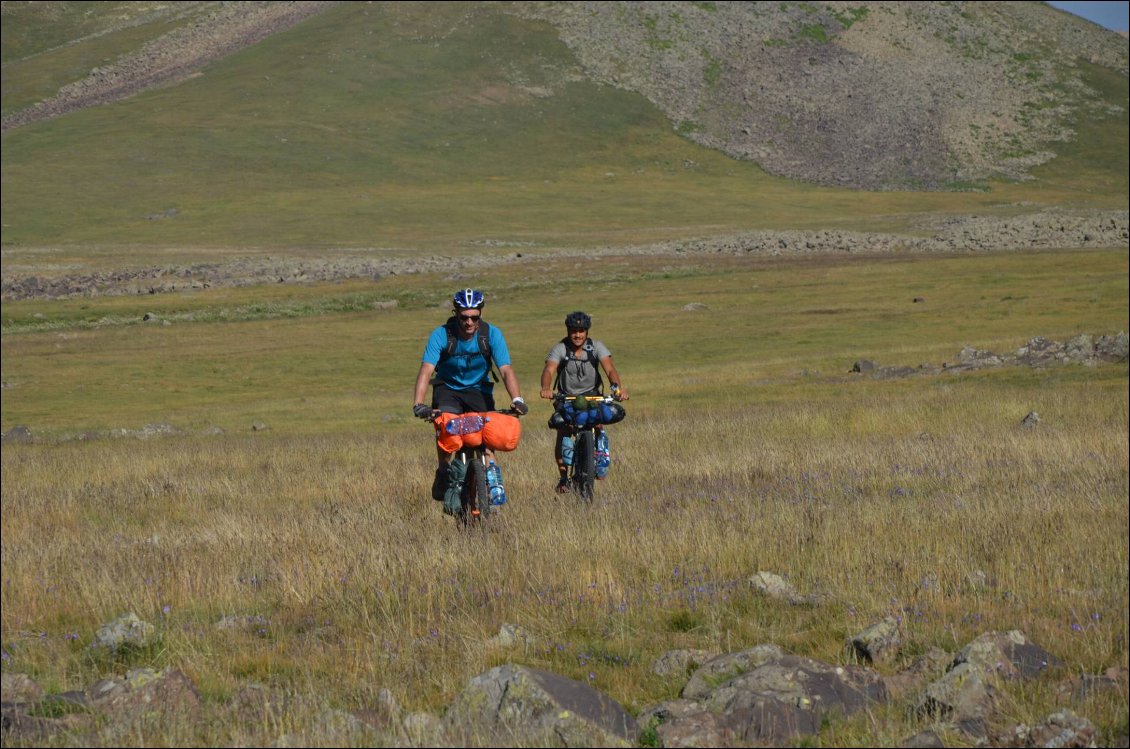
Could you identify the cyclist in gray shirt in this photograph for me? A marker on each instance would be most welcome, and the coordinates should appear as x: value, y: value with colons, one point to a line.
x: 572, y: 367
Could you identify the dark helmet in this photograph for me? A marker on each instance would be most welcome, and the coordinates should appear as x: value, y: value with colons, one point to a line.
x: 468, y: 299
x: 578, y: 319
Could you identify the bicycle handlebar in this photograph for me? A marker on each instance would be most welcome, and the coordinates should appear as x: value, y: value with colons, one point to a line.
x: 561, y: 398
x: 436, y: 413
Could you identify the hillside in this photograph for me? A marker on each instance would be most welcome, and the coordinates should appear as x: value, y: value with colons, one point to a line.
x: 881, y: 95
x: 200, y: 33
x: 867, y: 95
x: 458, y: 128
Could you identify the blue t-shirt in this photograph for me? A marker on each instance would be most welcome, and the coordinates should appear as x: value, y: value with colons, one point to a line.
x: 466, y: 367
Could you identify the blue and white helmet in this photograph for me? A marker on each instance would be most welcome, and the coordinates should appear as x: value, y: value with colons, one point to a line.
x: 468, y: 299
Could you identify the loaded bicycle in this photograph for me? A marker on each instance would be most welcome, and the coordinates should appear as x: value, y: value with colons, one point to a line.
x: 474, y: 491
x: 582, y: 418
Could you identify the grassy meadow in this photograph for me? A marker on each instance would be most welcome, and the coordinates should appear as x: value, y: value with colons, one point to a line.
x: 747, y: 447
x: 402, y: 129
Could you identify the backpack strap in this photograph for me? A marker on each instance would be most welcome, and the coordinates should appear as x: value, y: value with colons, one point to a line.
x: 484, y: 349
x: 595, y: 363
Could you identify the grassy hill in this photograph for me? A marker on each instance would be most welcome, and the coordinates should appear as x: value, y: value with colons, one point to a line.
x: 421, y: 126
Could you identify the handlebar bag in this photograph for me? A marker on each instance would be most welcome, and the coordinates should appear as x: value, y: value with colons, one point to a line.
x: 449, y: 442
x: 501, y: 432
x: 602, y: 413
x: 612, y: 412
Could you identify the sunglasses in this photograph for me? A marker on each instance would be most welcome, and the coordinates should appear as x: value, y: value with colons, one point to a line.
x: 469, y: 318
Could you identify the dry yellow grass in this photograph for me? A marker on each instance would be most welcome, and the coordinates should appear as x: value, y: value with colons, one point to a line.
x: 933, y: 505
x: 922, y: 497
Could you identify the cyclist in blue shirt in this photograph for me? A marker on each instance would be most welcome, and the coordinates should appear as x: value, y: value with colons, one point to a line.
x: 457, y: 363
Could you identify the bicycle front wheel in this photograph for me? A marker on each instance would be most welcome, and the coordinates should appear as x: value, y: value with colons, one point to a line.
x: 584, y: 464
x: 476, y: 496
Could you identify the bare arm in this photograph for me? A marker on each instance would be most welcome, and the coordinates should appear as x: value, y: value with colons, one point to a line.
x: 510, y: 380
x: 422, y: 379
x: 614, y: 376
x: 547, y: 376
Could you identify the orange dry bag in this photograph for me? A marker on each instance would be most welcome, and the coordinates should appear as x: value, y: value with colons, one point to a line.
x: 501, y: 432
x: 454, y: 431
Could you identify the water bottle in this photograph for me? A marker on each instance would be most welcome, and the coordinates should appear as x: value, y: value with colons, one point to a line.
x: 465, y: 424
x: 567, y: 450
x: 603, y: 457
x: 494, y: 482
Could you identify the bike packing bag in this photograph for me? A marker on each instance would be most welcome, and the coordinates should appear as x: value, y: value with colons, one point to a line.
x: 474, y: 439
x: 451, y: 443
x: 570, y: 414
x: 502, y: 432
x: 612, y: 413
x: 601, y: 413
x: 456, y: 475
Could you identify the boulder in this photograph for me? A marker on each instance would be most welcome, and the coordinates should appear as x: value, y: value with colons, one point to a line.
x: 125, y: 631
x: 880, y: 642
x: 762, y: 696
x: 517, y: 704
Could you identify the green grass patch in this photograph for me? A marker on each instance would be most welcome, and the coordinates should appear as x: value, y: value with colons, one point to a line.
x: 1100, y: 139
x: 851, y: 16
x: 319, y: 343
x: 813, y: 31
x: 712, y: 73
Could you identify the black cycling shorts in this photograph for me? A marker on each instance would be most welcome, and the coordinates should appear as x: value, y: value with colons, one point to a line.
x: 471, y: 400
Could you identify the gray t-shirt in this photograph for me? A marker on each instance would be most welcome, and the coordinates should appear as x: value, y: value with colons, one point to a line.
x: 577, y: 375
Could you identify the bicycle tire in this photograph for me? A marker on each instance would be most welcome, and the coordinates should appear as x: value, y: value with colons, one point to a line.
x: 476, y: 495
x: 584, y: 464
